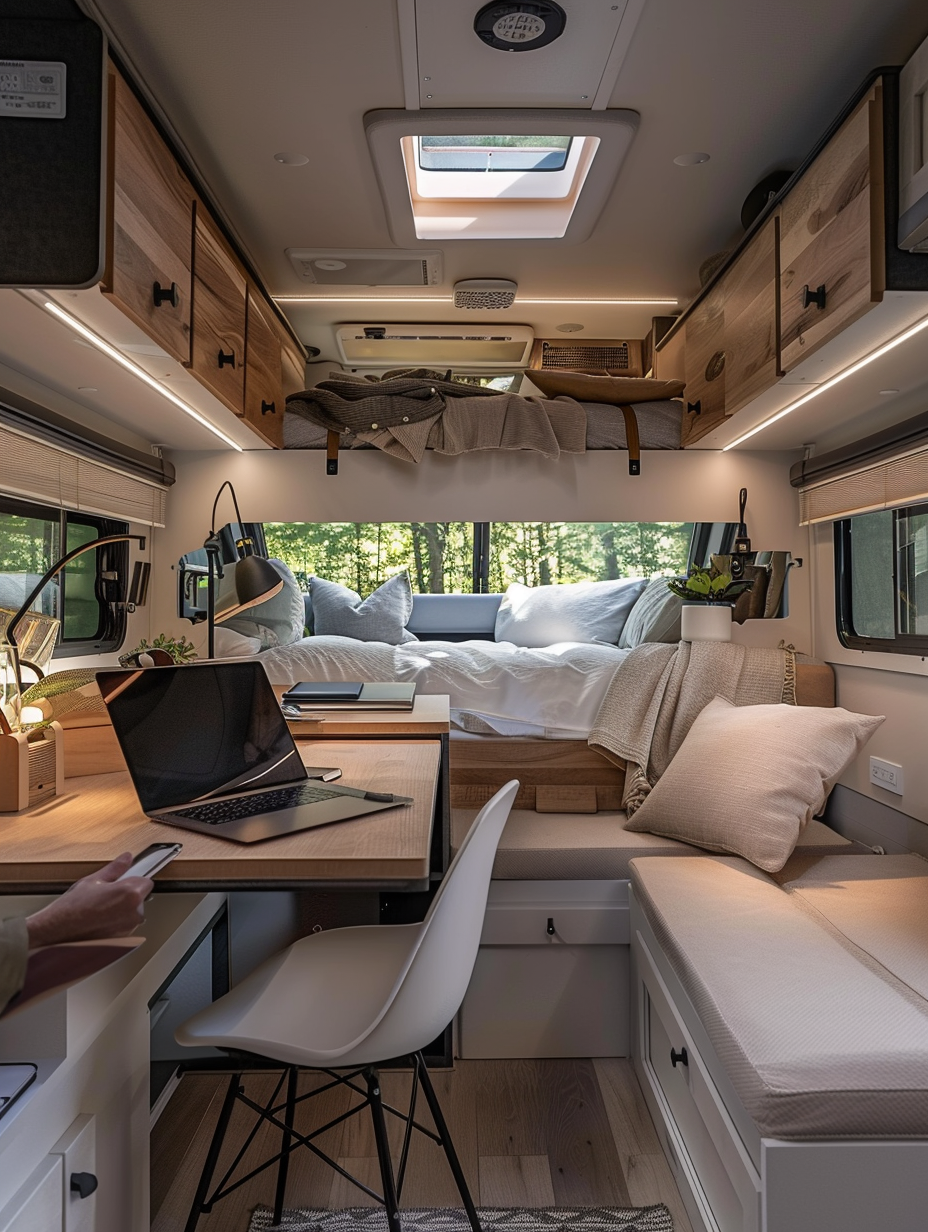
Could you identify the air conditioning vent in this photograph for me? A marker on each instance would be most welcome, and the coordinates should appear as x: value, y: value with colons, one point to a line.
x: 389, y: 267
x: 485, y: 293
x: 441, y: 346
x: 604, y: 356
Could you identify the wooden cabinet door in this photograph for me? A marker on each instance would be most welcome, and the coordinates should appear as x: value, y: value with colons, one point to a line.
x: 219, y: 291
x: 751, y: 342
x: 704, y: 362
x: 264, y: 394
x: 831, y: 228
x: 150, y: 240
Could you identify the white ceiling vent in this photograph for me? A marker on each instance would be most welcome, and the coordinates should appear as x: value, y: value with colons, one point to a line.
x: 485, y: 293
x: 441, y: 346
x: 388, y: 267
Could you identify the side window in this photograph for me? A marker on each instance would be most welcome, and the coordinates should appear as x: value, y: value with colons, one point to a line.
x: 86, y: 596
x: 881, y: 575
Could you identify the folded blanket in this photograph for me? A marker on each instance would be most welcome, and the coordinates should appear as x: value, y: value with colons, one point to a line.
x: 658, y: 690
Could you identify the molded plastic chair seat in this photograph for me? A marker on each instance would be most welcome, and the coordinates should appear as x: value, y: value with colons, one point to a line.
x: 353, y: 998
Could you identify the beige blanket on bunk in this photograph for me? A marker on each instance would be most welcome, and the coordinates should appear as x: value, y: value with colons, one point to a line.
x: 658, y: 690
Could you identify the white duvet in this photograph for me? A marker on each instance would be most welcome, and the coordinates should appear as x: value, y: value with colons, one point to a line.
x: 494, y: 686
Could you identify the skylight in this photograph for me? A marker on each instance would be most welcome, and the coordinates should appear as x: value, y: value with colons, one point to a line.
x: 498, y: 153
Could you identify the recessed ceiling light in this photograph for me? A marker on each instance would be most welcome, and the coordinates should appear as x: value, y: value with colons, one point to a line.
x: 329, y: 263
x: 691, y: 160
x: 291, y: 160
x: 569, y: 327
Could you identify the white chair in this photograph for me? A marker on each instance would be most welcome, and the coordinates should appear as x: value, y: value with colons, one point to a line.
x: 352, y: 998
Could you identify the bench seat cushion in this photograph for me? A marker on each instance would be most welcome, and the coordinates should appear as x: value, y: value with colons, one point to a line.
x: 817, y: 1036
x: 596, y: 846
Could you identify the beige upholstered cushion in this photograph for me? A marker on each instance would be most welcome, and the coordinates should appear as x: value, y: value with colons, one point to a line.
x: 789, y: 759
x: 614, y: 389
x: 817, y: 1039
x: 654, y: 618
x: 597, y: 846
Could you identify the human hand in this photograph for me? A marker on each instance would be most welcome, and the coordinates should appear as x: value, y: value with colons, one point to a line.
x: 99, y: 905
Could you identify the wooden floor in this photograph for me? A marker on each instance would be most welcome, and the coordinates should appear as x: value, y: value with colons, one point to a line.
x: 528, y: 1133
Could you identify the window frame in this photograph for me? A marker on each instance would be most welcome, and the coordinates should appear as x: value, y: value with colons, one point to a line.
x: 900, y: 643
x: 110, y: 578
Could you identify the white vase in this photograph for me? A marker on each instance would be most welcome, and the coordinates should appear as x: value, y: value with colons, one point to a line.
x: 705, y: 622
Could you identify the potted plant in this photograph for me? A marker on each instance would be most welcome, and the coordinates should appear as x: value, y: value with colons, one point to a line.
x: 708, y: 595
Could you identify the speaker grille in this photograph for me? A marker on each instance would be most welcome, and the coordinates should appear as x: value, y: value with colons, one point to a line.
x: 613, y: 358
x: 483, y: 299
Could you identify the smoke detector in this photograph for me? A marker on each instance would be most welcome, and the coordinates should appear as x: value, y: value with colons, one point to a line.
x: 485, y: 293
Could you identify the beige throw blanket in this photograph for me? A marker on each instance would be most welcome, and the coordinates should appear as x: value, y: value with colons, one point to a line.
x: 658, y: 690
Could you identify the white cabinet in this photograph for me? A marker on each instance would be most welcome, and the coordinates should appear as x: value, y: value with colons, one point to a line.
x: 37, y: 1206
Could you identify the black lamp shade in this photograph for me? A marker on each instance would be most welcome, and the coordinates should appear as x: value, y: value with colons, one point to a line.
x: 255, y: 580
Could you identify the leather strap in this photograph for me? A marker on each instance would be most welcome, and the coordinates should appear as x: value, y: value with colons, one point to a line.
x: 331, y: 453
x: 632, y: 439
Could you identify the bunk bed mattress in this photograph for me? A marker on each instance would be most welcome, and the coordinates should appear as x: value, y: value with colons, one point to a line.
x: 495, y: 687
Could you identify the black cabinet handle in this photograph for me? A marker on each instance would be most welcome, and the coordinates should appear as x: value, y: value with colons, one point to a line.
x: 679, y: 1056
x: 816, y: 297
x: 226, y: 359
x: 694, y: 408
x: 550, y: 929
x: 268, y: 408
x: 83, y: 1184
x: 165, y: 295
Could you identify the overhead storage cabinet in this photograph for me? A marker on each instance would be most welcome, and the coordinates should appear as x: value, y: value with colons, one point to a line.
x: 264, y: 391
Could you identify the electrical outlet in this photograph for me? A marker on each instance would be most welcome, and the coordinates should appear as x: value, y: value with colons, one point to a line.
x: 886, y: 774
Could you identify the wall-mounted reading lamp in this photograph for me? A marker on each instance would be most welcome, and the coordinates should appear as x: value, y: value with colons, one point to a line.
x: 255, y: 579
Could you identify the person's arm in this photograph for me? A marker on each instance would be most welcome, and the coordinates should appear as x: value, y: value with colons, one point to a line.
x: 99, y: 905
x: 14, y: 946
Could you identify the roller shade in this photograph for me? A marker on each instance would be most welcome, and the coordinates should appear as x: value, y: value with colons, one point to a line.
x: 887, y: 469
x: 42, y: 471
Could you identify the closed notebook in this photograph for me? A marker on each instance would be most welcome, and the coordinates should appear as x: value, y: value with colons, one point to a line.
x: 376, y: 695
x: 323, y: 691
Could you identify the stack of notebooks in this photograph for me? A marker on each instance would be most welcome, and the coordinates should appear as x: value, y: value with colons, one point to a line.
x: 313, y: 695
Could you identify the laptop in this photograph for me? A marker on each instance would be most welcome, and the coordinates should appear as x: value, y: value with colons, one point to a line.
x: 208, y: 749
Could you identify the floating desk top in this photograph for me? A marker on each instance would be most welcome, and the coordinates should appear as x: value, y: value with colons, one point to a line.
x: 48, y: 847
x: 429, y: 716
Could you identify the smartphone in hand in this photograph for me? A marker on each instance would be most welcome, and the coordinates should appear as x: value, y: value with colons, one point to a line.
x: 152, y: 859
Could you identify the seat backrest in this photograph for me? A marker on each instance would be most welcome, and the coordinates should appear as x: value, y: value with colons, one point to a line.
x: 435, y: 980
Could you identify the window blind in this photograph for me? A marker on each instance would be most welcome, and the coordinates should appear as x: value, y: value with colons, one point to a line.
x: 41, y: 470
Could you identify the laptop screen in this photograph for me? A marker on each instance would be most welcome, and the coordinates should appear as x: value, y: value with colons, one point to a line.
x: 199, y: 730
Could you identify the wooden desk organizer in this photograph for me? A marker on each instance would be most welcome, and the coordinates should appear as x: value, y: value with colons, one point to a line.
x: 31, y: 771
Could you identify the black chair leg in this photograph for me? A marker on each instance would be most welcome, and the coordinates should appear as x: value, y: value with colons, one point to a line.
x: 212, y: 1157
x: 450, y: 1153
x: 383, y: 1151
x: 289, y: 1113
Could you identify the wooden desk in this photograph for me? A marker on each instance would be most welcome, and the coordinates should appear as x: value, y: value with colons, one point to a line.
x: 46, y: 848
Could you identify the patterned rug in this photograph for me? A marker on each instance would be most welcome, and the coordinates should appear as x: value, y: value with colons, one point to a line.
x: 515, y: 1219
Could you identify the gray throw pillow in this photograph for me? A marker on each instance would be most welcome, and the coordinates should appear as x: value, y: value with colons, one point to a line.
x: 536, y: 616
x: 277, y: 621
x: 655, y: 616
x: 381, y: 617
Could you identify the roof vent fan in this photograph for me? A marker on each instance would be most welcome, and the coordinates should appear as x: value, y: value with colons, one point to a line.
x: 485, y: 293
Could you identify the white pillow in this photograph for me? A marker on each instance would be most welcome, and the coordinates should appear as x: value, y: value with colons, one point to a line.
x: 232, y: 645
x: 535, y: 616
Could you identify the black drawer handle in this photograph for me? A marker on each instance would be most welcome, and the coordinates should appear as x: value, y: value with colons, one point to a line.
x: 550, y: 928
x: 165, y: 295
x: 83, y: 1184
x: 694, y: 408
x: 679, y: 1056
x: 268, y: 408
x: 816, y: 297
x: 226, y: 359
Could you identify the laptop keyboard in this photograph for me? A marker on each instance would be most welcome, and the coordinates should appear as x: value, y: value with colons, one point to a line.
x: 217, y: 812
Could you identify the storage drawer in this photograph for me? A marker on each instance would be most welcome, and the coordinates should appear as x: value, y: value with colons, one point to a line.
x: 77, y: 1148
x: 702, y: 1141
x: 37, y: 1205
x: 556, y: 924
x: 831, y: 227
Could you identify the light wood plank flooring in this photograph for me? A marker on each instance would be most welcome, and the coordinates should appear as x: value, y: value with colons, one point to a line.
x: 528, y: 1133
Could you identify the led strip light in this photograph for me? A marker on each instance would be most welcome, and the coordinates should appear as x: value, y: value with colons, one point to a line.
x: 449, y: 299
x: 112, y: 353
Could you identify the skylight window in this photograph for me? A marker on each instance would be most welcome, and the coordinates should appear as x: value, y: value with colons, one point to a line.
x: 499, y: 153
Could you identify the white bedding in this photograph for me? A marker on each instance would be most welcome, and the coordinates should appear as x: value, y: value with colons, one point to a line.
x: 553, y: 692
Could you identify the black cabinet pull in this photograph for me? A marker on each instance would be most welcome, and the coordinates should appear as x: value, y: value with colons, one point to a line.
x: 83, y: 1184
x: 679, y: 1056
x: 694, y: 408
x: 165, y: 295
x: 816, y: 297
x: 226, y: 359
x: 268, y: 408
x: 550, y: 929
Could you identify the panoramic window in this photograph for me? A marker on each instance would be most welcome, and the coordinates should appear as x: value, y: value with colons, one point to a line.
x: 881, y: 562
x: 32, y: 538
x: 466, y: 557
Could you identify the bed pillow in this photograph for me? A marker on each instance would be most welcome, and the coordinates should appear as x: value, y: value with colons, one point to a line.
x: 381, y: 617
x: 654, y: 618
x: 790, y: 758
x: 232, y: 645
x: 536, y: 616
x: 613, y: 389
x: 277, y: 621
